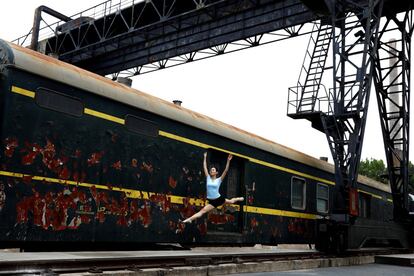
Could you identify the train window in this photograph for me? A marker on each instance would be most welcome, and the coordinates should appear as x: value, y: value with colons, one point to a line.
x: 59, y: 102
x: 141, y: 126
x: 298, y: 193
x: 364, y: 205
x: 322, y: 198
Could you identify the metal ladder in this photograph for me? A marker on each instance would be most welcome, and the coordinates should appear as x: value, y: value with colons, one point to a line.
x: 312, y: 69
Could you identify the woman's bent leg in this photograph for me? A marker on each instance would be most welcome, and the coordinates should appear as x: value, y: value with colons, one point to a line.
x: 234, y: 200
x: 200, y: 213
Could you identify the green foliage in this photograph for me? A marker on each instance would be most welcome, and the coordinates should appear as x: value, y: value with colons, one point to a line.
x: 376, y: 169
x: 373, y: 168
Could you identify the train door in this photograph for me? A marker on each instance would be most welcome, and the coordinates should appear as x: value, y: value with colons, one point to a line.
x: 229, y: 218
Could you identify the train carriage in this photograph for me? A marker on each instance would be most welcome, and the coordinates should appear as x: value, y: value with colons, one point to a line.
x: 87, y: 160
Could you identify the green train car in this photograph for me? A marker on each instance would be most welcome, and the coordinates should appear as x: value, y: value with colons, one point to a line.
x: 85, y: 160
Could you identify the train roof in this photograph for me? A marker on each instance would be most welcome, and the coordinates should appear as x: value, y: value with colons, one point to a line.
x: 48, y: 67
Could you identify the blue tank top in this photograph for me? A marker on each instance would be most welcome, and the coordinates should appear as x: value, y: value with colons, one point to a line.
x: 213, y: 187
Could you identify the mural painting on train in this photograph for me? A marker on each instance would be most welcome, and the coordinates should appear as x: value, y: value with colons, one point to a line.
x: 77, y: 202
x: 66, y: 174
x: 73, y: 174
x: 64, y: 187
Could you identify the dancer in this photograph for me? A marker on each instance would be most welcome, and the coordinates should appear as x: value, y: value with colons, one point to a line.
x: 213, y: 185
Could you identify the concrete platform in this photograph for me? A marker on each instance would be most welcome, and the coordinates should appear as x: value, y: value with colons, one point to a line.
x: 267, y: 267
x: 397, y: 259
x: 30, y: 257
x: 197, y: 261
x: 33, y: 263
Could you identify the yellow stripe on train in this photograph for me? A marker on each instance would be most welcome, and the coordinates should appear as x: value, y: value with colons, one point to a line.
x: 121, y: 121
x: 275, y: 212
x: 23, y: 92
x: 118, y: 120
x: 253, y: 160
x: 136, y: 194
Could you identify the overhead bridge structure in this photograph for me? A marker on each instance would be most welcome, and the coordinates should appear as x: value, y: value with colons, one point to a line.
x: 126, y: 35
x: 369, y: 40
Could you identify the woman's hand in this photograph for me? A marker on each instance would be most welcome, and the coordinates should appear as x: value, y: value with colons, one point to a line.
x: 205, y: 154
x: 229, y: 157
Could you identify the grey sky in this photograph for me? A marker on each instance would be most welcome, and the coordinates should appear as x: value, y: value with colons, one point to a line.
x: 247, y: 89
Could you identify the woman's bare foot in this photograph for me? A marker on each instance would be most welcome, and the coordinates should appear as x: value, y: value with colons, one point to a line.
x: 239, y: 198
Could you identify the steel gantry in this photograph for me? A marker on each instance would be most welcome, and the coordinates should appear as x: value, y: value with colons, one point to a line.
x: 360, y: 38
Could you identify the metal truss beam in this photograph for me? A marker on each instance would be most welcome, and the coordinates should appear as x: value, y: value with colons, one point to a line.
x: 128, y: 34
x: 392, y: 83
x: 226, y: 48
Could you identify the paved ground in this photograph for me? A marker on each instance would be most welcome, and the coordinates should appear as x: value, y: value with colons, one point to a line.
x: 363, y: 270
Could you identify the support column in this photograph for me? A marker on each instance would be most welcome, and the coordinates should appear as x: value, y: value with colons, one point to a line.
x: 355, y: 48
x: 392, y: 84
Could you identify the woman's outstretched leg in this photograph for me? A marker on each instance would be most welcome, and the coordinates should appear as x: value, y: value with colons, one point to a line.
x: 234, y: 200
x: 199, y: 214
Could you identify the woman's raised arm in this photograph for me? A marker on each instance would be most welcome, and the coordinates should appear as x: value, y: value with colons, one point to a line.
x: 205, y: 164
x: 227, y: 167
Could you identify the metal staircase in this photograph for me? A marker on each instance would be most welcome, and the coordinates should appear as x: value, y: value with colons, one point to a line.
x: 304, y: 99
x: 313, y: 73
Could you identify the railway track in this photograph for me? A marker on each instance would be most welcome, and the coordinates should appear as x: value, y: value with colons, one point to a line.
x: 100, y: 262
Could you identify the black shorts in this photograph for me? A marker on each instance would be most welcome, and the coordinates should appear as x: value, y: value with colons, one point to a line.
x: 217, y: 202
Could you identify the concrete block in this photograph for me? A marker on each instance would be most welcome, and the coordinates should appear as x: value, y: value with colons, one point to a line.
x: 248, y: 267
x: 306, y: 264
x: 283, y: 265
x: 335, y: 262
x: 324, y: 262
x: 222, y: 269
x: 267, y: 266
x: 151, y: 272
x: 188, y: 270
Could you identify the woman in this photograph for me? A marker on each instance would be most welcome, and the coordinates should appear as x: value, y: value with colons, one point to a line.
x: 213, y: 185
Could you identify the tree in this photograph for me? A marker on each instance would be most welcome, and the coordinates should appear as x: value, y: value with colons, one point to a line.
x: 374, y: 169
